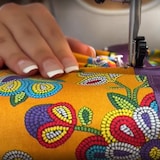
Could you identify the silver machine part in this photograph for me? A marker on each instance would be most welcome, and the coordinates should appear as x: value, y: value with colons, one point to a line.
x: 134, y: 24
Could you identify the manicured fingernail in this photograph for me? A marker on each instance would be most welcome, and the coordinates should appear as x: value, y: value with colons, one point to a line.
x: 51, y: 68
x: 54, y: 73
x: 27, y: 66
x: 30, y: 68
x: 93, y: 51
x: 71, y: 69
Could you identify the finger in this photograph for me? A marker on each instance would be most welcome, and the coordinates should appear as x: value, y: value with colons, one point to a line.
x: 79, y: 47
x: 12, y: 56
x: 53, y: 35
x: 31, y: 41
x: 1, y: 62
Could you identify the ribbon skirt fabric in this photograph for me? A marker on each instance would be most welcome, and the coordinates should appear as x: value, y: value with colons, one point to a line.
x: 95, y: 113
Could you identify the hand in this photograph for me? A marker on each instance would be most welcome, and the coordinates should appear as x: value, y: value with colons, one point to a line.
x: 31, y: 41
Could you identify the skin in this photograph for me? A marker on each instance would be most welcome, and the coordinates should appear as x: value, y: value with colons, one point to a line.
x: 31, y: 43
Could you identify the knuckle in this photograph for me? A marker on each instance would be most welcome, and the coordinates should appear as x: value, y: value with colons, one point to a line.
x: 37, y: 8
x: 38, y: 5
x: 9, y: 10
x: 9, y: 7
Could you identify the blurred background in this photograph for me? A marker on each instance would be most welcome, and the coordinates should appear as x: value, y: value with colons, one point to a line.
x: 102, y: 25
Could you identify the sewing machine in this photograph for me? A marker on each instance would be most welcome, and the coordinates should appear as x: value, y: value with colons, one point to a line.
x: 137, y: 44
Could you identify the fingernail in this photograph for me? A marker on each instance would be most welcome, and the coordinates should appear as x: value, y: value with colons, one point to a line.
x: 27, y: 66
x: 54, y: 73
x: 51, y: 68
x: 71, y: 69
x: 70, y: 64
x: 93, y: 51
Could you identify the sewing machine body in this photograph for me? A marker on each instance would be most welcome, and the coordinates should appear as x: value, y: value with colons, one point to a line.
x: 137, y: 44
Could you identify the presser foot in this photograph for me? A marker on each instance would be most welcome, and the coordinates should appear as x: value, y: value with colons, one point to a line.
x: 140, y: 52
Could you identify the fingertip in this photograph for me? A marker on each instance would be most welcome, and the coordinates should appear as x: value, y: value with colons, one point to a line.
x: 30, y: 68
x: 71, y: 69
x: 92, y: 51
x: 70, y: 63
x: 26, y: 66
x: 79, y: 47
x: 51, y: 68
x: 55, y: 73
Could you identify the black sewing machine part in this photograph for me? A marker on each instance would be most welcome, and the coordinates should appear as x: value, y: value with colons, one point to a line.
x: 141, y: 51
x: 99, y: 1
x: 137, y: 45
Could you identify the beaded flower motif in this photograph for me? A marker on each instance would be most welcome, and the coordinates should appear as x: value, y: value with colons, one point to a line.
x: 19, y: 88
x: 129, y: 132
x: 51, y: 124
x: 125, y: 134
x: 16, y: 154
x: 95, y: 79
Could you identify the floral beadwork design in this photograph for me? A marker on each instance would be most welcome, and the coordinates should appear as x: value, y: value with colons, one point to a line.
x: 94, y: 79
x: 93, y: 147
x: 149, y: 100
x: 133, y: 135
x: 16, y: 154
x: 51, y: 124
x: 85, y: 115
x: 13, y: 87
x: 125, y: 134
x: 122, y: 127
x: 19, y: 89
x: 42, y: 89
x: 131, y: 131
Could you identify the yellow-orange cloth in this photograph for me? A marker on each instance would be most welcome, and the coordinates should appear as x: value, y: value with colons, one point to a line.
x: 93, y: 114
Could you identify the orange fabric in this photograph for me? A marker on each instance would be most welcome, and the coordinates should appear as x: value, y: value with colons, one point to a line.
x: 81, y: 115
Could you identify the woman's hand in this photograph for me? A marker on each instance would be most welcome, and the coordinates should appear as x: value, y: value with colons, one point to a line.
x: 31, y: 41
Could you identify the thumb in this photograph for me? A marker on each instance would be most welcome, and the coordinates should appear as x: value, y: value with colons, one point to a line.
x: 79, y: 47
